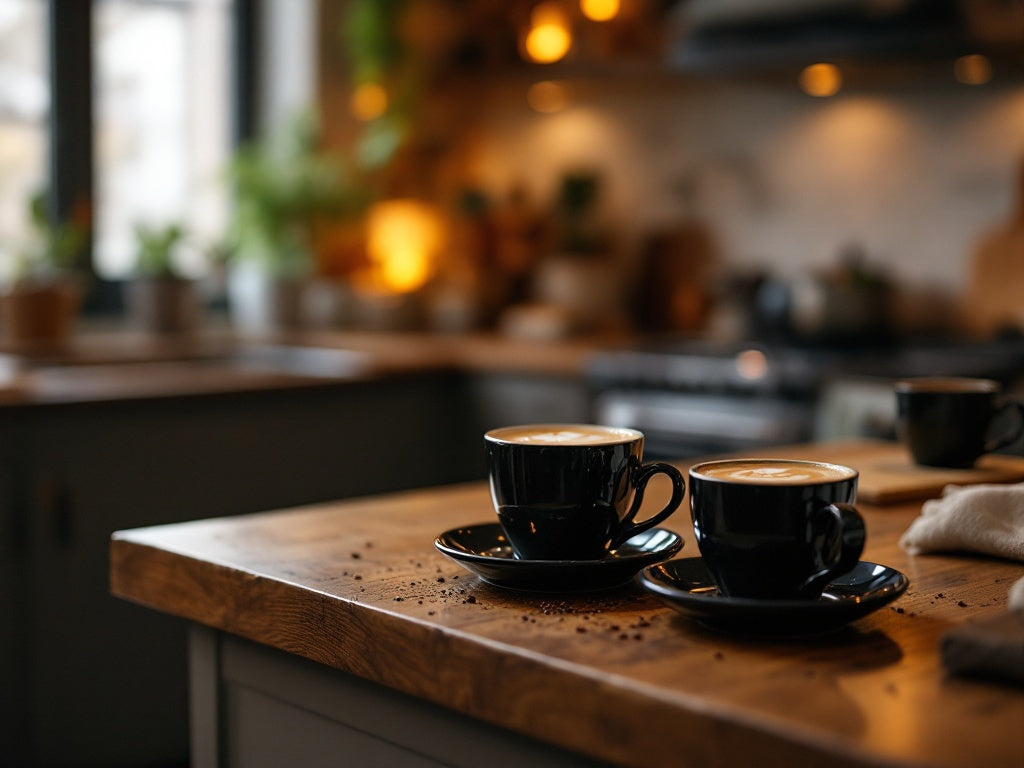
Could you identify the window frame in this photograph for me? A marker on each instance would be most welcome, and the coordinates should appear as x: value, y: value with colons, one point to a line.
x: 71, y: 152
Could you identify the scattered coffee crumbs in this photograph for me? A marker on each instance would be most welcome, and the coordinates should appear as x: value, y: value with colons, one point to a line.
x: 941, y: 595
x: 440, y: 579
x: 356, y: 555
x: 471, y: 599
x: 399, y: 599
x: 431, y: 613
x: 357, y: 577
x: 581, y: 630
x: 898, y: 610
x: 961, y: 604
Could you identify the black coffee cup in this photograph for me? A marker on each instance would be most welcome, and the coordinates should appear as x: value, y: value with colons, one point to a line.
x: 775, y: 528
x: 949, y: 422
x: 572, y: 491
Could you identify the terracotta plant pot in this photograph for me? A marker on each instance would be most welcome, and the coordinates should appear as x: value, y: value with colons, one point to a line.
x: 40, y: 311
x: 163, y: 305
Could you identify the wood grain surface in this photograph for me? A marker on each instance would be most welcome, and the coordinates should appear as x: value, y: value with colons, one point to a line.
x: 617, y: 675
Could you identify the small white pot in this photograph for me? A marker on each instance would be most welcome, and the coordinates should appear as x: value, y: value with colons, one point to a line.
x: 260, y: 302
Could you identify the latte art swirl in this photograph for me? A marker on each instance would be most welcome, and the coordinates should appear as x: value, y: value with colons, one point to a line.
x: 773, y: 472
x: 564, y: 434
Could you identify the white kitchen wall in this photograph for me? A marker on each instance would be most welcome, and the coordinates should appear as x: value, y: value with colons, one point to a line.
x: 915, y: 175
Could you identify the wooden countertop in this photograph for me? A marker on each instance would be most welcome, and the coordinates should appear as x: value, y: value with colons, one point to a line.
x: 117, y: 365
x: 617, y: 675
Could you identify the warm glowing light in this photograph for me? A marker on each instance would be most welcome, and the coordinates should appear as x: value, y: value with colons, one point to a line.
x: 404, y: 240
x: 549, y: 37
x: 548, y: 43
x: 821, y: 80
x: 547, y: 96
x: 369, y: 101
x: 751, y: 364
x: 600, y: 10
x: 974, y: 69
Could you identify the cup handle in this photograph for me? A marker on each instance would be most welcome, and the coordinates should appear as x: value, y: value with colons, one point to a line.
x: 1004, y: 440
x: 627, y: 528
x: 844, y: 552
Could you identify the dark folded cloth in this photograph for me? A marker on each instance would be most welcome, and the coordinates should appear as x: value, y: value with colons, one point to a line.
x: 991, y: 648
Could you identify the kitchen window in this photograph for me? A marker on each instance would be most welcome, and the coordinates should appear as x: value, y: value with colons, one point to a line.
x: 162, y: 112
x: 148, y: 142
x: 24, y: 117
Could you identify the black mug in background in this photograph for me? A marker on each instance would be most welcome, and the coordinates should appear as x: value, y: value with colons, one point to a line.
x: 572, y: 491
x: 950, y: 422
x: 775, y: 529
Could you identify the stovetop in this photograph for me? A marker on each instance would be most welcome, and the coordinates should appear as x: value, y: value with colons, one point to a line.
x: 694, y: 365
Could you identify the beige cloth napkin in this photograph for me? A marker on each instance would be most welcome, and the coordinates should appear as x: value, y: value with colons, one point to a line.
x: 988, y: 519
x: 1016, y: 599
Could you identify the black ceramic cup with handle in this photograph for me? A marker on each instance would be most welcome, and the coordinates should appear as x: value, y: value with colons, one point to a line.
x: 572, y: 491
x: 775, y: 528
x: 953, y: 421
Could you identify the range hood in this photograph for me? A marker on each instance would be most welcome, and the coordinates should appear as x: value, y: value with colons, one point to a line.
x: 736, y: 35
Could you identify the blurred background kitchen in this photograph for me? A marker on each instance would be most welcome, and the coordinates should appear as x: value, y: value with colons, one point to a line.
x: 240, y: 237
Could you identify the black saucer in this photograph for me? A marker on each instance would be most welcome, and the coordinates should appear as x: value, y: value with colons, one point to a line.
x: 687, y: 586
x: 483, y: 549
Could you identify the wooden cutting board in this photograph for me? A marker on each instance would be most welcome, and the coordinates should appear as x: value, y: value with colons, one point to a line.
x: 888, y: 475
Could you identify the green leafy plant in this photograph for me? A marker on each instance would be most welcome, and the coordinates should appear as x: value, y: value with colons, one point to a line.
x: 578, y: 229
x: 52, y: 247
x: 284, y: 187
x: 155, y: 249
x: 376, y: 54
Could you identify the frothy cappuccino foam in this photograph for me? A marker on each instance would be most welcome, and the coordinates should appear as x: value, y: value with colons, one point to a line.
x: 563, y: 434
x: 774, y: 472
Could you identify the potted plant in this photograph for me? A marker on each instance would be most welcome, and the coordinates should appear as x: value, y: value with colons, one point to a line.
x: 284, y: 188
x: 579, y: 276
x: 159, y: 299
x: 41, y: 299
